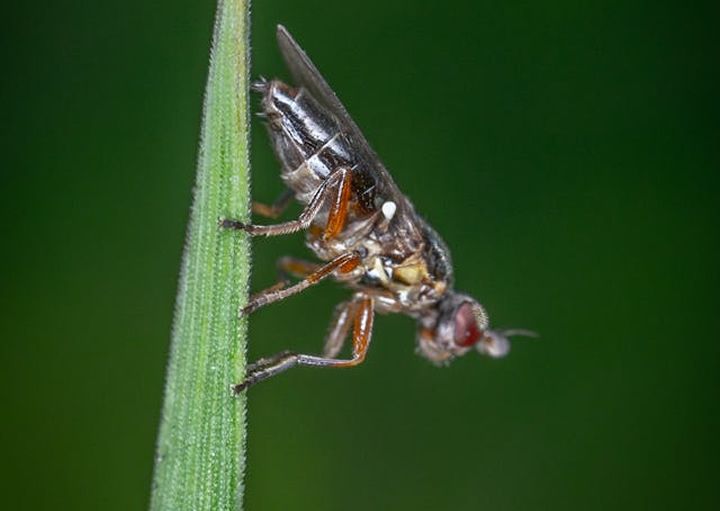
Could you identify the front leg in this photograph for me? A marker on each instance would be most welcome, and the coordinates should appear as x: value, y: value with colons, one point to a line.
x: 327, y: 190
x: 363, y: 314
x: 339, y: 327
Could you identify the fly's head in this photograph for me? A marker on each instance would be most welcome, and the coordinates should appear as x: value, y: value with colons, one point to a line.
x: 459, y: 325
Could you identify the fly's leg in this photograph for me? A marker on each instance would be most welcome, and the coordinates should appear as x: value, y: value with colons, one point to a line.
x: 292, y: 266
x: 275, y: 209
x: 265, y: 368
x: 339, y: 208
x: 339, y: 328
x: 287, y: 267
x: 363, y: 313
x: 343, y: 263
x: 338, y: 177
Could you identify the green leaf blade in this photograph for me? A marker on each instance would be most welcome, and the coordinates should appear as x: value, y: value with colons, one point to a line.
x: 201, y: 446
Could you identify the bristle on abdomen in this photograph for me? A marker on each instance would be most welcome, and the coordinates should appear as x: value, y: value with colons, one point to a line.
x: 260, y: 85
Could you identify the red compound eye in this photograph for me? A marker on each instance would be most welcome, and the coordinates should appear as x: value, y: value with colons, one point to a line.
x: 467, y: 332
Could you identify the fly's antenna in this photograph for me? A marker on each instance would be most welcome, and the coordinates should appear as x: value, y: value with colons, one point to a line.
x: 519, y: 332
x: 496, y: 343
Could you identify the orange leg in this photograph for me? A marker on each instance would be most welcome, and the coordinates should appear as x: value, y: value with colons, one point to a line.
x: 343, y: 263
x: 287, y: 266
x: 338, y: 211
x: 275, y: 209
x: 339, y: 328
x: 362, y: 332
x: 296, y: 267
x: 323, y: 192
x: 292, y: 267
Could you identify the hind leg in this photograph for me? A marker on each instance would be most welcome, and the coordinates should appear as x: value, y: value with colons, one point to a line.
x: 336, y: 188
x: 275, y: 209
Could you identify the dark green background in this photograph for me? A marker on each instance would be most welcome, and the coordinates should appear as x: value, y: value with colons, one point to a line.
x: 569, y: 156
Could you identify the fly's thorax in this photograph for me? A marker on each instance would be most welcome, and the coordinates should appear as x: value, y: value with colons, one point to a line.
x: 355, y: 236
x: 437, y: 255
x: 405, y: 284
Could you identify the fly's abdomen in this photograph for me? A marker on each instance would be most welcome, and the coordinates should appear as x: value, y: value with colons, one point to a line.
x: 306, y: 138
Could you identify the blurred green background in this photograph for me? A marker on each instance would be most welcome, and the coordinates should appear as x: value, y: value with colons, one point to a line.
x: 568, y: 154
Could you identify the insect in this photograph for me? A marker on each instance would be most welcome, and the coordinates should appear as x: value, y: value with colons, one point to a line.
x: 361, y: 225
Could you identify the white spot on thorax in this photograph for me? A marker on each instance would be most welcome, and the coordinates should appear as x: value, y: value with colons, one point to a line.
x: 388, y: 209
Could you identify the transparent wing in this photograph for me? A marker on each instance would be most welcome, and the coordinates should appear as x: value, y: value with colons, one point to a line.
x: 307, y: 76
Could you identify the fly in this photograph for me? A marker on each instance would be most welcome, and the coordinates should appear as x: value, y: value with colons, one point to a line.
x: 359, y: 223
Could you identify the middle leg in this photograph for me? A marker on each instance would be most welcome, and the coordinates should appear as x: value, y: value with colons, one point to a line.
x: 288, y: 267
x: 343, y: 263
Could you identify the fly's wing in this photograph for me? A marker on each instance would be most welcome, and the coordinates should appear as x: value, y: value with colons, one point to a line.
x: 307, y: 76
